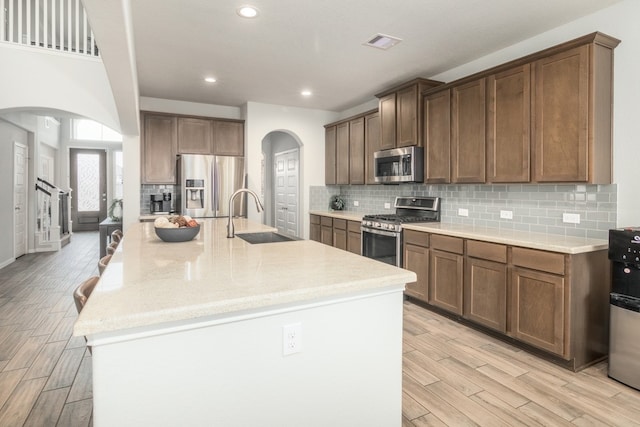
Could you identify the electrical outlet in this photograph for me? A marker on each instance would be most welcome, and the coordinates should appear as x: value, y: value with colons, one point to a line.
x: 506, y: 214
x: 571, y: 218
x: 463, y: 212
x: 356, y: 203
x: 387, y: 205
x: 291, y: 339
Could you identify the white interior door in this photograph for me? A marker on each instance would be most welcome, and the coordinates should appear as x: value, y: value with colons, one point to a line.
x: 20, y: 155
x: 286, y: 192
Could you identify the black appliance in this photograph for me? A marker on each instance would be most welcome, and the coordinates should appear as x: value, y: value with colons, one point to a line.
x: 161, y: 204
x: 382, y: 234
x: 624, y: 326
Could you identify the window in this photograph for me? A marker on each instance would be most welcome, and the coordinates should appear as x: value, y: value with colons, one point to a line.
x: 89, y: 130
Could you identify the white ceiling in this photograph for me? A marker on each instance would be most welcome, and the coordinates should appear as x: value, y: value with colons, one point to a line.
x: 318, y: 45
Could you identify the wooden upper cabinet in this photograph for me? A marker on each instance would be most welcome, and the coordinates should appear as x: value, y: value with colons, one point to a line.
x: 356, y: 151
x: 387, y: 109
x: 330, y: 155
x: 194, y: 136
x: 159, y: 146
x: 342, y: 153
x: 372, y: 144
x: 228, y: 138
x: 508, y: 125
x: 407, y: 117
x: 562, y: 117
x: 468, y: 132
x: 437, y: 137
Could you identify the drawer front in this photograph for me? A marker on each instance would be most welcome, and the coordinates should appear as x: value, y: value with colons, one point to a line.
x: 340, y: 224
x: 538, y: 260
x: 327, y: 221
x: 417, y: 238
x: 353, y: 226
x: 315, y: 219
x: 488, y: 251
x: 447, y: 243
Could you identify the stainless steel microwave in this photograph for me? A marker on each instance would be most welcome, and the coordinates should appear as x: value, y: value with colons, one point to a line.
x: 398, y: 165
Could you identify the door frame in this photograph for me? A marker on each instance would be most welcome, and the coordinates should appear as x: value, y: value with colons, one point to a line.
x: 102, y: 213
x: 273, y: 187
x: 26, y: 198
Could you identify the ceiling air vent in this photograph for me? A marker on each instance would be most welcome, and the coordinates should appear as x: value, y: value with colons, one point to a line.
x: 382, y: 41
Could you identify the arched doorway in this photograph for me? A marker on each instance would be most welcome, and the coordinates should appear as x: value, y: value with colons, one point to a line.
x: 281, y: 181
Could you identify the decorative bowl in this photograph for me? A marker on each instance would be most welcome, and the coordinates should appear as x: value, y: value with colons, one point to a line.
x: 182, y: 234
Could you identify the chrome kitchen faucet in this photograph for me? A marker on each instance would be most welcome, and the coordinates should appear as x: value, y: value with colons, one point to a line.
x: 230, y: 228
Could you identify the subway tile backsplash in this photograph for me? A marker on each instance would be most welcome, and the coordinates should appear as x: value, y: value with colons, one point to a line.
x: 535, y: 207
x: 145, y: 196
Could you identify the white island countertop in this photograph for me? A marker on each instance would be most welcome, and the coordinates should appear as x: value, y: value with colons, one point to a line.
x: 150, y: 282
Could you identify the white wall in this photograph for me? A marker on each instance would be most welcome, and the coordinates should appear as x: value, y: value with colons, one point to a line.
x: 619, y: 21
x: 308, y: 125
x: 56, y: 81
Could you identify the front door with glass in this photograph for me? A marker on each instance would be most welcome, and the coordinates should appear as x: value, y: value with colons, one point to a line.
x: 89, y: 185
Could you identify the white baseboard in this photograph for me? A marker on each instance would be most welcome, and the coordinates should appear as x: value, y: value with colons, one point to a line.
x: 3, y: 264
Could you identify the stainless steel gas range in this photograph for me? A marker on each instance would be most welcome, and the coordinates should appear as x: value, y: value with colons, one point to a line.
x: 382, y: 234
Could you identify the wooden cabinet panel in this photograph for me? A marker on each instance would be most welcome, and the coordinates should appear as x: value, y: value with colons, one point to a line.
x: 561, y: 128
x: 538, y: 260
x: 538, y: 310
x: 159, y: 147
x: 330, y: 155
x: 447, y: 243
x: 356, y: 151
x: 340, y: 238
x: 387, y: 110
x: 416, y: 259
x: 326, y: 234
x: 468, y: 133
x: 485, y: 250
x: 437, y: 137
x: 485, y: 293
x: 508, y: 125
x: 372, y: 144
x: 446, y: 280
x: 228, y: 138
x: 340, y: 224
x: 354, y: 238
x: 314, y: 228
x: 416, y: 238
x: 194, y: 136
x: 407, y: 117
x: 342, y: 153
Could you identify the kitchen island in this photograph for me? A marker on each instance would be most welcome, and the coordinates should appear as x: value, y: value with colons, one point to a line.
x: 206, y: 333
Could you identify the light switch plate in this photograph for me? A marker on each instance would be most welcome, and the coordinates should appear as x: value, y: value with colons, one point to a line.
x: 387, y: 205
x: 506, y: 214
x: 356, y: 203
x: 463, y: 212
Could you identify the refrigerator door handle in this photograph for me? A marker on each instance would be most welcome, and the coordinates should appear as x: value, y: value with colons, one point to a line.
x: 216, y: 191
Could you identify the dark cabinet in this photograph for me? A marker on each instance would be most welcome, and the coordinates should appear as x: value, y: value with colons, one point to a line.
x: 314, y: 227
x: 508, y: 125
x: 356, y: 151
x: 416, y: 259
x: 446, y: 264
x: 330, y: 159
x: 371, y: 143
x: 354, y: 238
x: 437, y: 137
x: 228, y: 138
x: 387, y: 109
x: 326, y: 230
x: 342, y: 153
x: 468, y: 132
x: 340, y: 234
x: 159, y: 146
x: 485, y: 285
x: 194, y: 136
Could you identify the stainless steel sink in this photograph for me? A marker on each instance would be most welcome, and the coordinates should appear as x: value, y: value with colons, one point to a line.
x: 264, y: 237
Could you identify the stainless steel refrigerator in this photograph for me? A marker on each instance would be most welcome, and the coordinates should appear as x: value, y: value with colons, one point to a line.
x: 205, y: 184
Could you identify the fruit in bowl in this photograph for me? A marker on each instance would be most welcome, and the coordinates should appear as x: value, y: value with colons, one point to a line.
x: 177, y: 228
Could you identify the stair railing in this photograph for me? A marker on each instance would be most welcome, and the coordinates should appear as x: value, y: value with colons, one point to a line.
x: 53, y: 216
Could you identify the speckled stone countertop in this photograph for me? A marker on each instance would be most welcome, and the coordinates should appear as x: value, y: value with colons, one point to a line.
x: 542, y: 241
x: 150, y: 282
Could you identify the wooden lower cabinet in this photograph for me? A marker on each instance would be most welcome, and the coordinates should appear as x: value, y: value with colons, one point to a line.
x: 485, y: 293
x: 326, y: 230
x: 340, y: 234
x: 314, y: 228
x: 445, y: 280
x: 538, y: 309
x: 416, y: 259
x: 354, y: 237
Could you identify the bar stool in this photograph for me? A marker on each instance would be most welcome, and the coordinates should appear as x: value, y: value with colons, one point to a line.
x: 111, y: 248
x: 116, y: 236
x: 82, y: 293
x: 102, y: 264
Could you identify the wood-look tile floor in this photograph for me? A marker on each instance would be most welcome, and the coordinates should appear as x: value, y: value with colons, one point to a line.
x: 452, y: 375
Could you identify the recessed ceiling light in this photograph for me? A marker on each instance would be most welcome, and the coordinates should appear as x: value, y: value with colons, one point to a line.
x: 247, y: 11
x: 210, y: 79
x: 306, y: 92
x: 382, y: 41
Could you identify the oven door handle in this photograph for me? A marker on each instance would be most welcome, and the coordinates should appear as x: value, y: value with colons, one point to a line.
x: 381, y: 232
